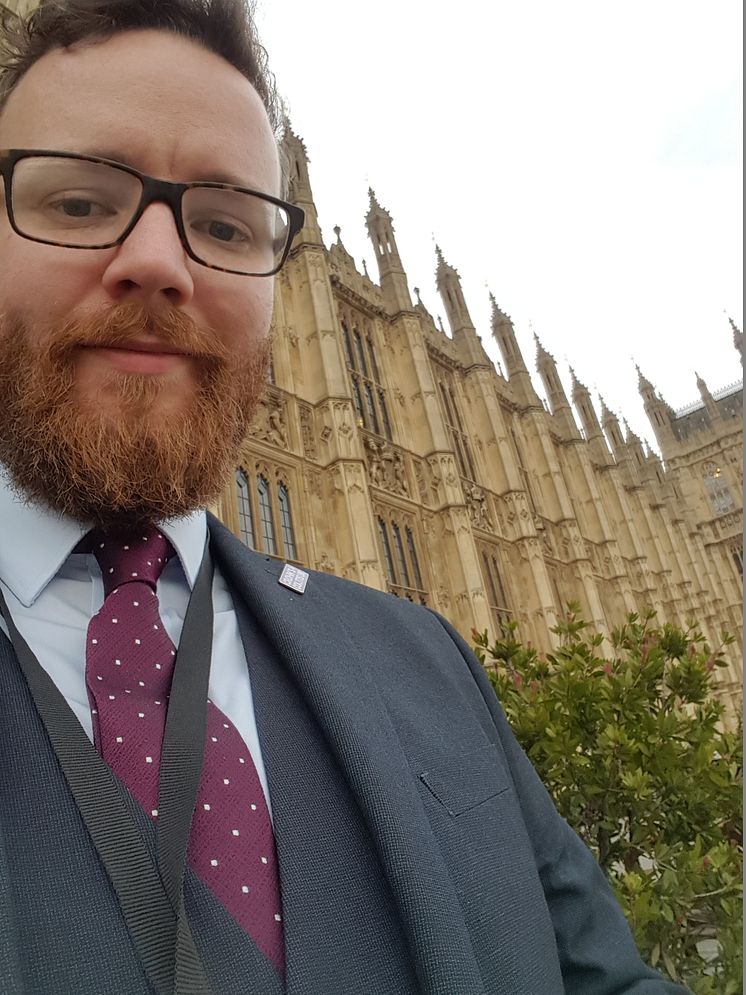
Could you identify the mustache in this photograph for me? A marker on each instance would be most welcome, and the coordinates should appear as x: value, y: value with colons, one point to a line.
x: 120, y: 325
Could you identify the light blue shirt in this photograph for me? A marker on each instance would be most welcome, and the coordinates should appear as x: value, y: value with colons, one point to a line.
x: 52, y: 594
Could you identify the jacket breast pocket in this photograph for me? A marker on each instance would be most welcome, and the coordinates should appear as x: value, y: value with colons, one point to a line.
x: 460, y: 782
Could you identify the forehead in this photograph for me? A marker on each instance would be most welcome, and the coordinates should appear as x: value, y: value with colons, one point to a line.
x: 162, y: 102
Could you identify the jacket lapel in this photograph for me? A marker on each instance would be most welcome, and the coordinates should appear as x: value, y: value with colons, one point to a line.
x: 331, y: 673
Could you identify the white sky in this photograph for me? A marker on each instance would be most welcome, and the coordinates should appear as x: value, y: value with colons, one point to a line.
x: 581, y: 158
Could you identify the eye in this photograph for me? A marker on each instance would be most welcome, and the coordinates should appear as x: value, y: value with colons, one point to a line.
x: 81, y: 208
x: 225, y: 232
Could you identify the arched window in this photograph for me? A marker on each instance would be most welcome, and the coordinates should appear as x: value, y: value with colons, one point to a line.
x: 357, y: 400
x: 401, y: 559
x: 413, y: 558
x: 265, y: 515
x: 717, y: 489
x: 286, y: 522
x: 388, y: 561
x: 373, y: 363
x: 372, y: 414
x: 360, y: 353
x: 348, y: 345
x: 459, y: 439
x: 368, y: 394
x: 245, y: 519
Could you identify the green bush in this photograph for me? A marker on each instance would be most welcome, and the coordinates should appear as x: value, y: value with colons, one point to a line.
x: 632, y: 749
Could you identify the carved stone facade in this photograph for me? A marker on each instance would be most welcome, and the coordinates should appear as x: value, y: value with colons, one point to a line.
x: 420, y: 469
x: 395, y: 455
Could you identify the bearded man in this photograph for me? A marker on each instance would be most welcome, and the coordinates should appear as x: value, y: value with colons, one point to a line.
x: 218, y: 774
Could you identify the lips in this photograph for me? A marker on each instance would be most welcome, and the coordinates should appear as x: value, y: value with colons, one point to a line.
x: 158, y: 348
x: 140, y: 357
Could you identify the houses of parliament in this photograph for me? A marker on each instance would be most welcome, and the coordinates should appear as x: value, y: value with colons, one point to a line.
x: 395, y: 455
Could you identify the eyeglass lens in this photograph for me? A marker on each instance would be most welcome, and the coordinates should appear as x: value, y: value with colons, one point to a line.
x: 75, y: 202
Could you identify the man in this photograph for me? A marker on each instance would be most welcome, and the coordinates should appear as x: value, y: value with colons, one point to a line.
x: 363, y: 820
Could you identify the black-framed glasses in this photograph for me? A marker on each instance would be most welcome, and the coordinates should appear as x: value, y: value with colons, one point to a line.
x: 84, y: 202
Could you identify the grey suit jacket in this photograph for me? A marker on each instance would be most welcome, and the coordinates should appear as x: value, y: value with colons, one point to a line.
x: 418, y: 850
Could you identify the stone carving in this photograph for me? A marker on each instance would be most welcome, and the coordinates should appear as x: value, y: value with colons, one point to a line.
x: 313, y: 482
x: 269, y: 424
x: 386, y: 468
x: 354, y: 479
x: 307, y: 430
x: 326, y: 564
x: 476, y: 501
x: 442, y: 600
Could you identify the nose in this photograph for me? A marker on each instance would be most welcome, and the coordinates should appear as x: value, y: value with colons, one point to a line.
x: 151, y: 262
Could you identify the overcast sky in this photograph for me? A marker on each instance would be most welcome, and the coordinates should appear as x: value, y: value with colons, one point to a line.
x: 582, y: 159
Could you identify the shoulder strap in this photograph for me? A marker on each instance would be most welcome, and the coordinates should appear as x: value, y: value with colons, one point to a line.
x: 151, y: 898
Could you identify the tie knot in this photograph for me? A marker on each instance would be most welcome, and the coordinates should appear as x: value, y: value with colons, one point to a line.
x: 127, y: 557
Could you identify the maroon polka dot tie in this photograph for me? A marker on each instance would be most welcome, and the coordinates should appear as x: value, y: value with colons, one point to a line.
x: 129, y: 666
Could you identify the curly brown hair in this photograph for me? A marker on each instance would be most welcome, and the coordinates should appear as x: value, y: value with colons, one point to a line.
x: 225, y: 27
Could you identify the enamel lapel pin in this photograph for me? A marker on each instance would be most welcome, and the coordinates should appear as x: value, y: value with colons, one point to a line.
x: 293, y: 578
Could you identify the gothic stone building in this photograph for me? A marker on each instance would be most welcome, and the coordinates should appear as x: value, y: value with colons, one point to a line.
x: 397, y: 456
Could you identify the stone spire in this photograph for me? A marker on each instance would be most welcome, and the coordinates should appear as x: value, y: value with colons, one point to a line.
x: 611, y: 427
x: 707, y: 398
x: 581, y: 398
x: 660, y: 415
x: 463, y: 332
x: 299, y: 185
x: 394, y: 283
x: 737, y: 338
x: 503, y: 333
x: 558, y: 403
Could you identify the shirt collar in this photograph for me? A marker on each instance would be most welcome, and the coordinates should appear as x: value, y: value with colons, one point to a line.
x: 35, y: 542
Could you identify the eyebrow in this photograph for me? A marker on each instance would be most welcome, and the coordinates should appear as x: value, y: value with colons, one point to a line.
x: 201, y: 176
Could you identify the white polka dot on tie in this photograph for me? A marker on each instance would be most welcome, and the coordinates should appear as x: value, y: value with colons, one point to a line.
x: 119, y: 739
x: 245, y: 889
x: 134, y: 575
x: 206, y: 808
x: 118, y: 663
x: 241, y: 760
x: 235, y: 832
x: 141, y: 715
x: 102, y: 545
x: 94, y: 711
x: 141, y: 683
x: 99, y: 678
x: 158, y: 666
x: 157, y: 702
x: 95, y: 642
x: 150, y: 564
x: 155, y: 626
x: 278, y: 917
x: 148, y: 760
x: 214, y: 862
x: 112, y: 697
x: 137, y: 642
x: 213, y: 738
x: 111, y: 570
x: 115, y: 620
x: 264, y: 860
x: 154, y: 812
x: 173, y: 652
x: 136, y: 604
x: 226, y: 726
x: 125, y: 547
x: 253, y: 808
x: 226, y: 781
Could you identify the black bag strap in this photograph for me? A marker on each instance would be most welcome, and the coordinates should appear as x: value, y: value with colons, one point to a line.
x: 151, y: 896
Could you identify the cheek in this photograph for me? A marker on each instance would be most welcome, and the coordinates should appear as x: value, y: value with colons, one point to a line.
x: 243, y: 318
